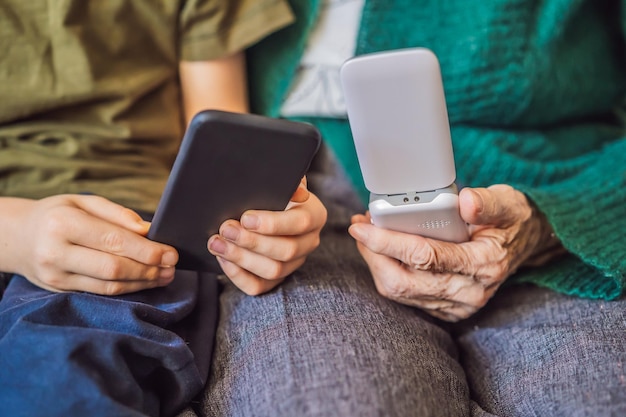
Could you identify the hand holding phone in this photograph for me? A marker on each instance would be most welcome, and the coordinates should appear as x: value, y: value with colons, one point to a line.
x: 229, y: 163
x: 399, y: 121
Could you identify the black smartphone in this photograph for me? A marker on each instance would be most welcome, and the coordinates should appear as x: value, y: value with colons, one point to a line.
x: 228, y: 163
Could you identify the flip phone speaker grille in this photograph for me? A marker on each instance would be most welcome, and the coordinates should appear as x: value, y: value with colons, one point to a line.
x: 434, y: 224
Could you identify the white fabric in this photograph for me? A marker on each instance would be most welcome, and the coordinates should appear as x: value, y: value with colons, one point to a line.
x: 316, y: 90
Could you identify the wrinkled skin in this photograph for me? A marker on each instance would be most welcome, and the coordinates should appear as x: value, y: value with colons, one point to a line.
x: 452, y: 281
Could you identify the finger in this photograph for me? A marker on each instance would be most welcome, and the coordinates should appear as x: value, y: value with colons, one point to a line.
x: 105, y: 266
x: 98, y: 234
x: 452, y: 314
x: 252, y: 262
x: 360, y: 218
x: 388, y: 274
x: 280, y: 248
x: 496, y: 205
x: 302, y: 193
x: 297, y: 220
x: 246, y: 281
x: 395, y: 281
x: 392, y: 278
x: 478, y: 258
x: 459, y: 289
x: 113, y: 213
x: 421, y: 289
x: 413, y: 250
x: 104, y: 287
x: 446, y: 310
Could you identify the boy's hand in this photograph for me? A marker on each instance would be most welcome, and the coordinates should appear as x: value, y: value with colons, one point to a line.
x: 258, y: 252
x: 88, y: 243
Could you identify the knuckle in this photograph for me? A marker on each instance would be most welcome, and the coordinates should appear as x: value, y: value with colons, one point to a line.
x: 112, y: 269
x: 249, y: 241
x: 496, y: 268
x: 496, y: 271
x: 273, y: 271
x: 441, y: 315
x: 500, y: 272
x: 422, y: 257
x: 150, y: 273
x: 151, y: 255
x: 289, y: 252
x: 460, y: 315
x: 482, y: 302
x: 254, y: 288
x: 384, y: 290
x: 502, y: 188
x: 113, y: 241
x: 46, y: 256
x: 53, y: 280
x: 113, y: 288
x: 477, y: 298
x: 317, y: 240
x: 324, y: 213
x: 306, y: 220
x: 525, y: 210
x: 445, y: 316
x: 91, y: 197
x: 56, y: 221
x: 390, y: 289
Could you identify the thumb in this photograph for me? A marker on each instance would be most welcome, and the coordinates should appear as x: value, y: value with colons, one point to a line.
x: 302, y: 193
x: 492, y: 206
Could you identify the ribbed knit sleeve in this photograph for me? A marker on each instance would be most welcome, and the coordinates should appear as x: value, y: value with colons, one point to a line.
x: 583, y: 197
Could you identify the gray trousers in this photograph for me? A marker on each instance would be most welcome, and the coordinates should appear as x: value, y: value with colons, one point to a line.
x: 326, y: 344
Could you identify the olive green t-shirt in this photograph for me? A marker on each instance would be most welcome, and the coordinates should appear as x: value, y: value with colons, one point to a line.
x: 89, y: 93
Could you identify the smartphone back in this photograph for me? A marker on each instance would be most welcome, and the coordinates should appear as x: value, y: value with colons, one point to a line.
x: 229, y: 163
x: 398, y: 117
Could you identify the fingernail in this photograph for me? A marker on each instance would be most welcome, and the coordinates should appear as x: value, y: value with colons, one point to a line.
x: 166, y: 274
x: 144, y: 226
x: 250, y: 221
x: 478, y: 201
x: 231, y: 233
x: 217, y: 245
x: 169, y: 258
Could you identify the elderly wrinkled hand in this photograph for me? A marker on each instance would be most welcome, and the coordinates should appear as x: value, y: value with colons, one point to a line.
x: 261, y: 249
x: 452, y: 281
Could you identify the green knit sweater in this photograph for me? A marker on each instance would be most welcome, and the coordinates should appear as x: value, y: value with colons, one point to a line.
x: 536, y: 95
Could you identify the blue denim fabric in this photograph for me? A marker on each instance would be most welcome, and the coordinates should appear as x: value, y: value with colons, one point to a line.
x: 79, y: 354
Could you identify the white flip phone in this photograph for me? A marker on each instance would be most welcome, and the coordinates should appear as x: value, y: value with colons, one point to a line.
x: 399, y: 121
